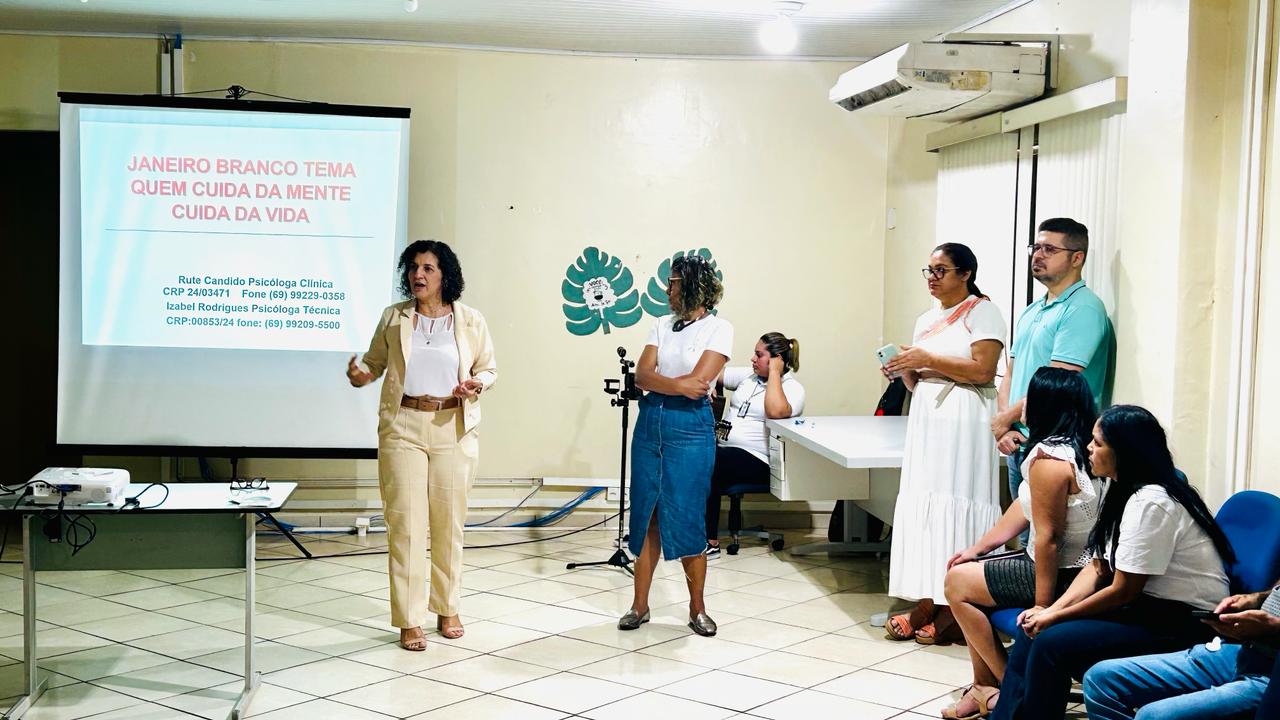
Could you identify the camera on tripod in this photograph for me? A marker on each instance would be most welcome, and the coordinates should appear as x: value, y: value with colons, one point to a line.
x: 625, y: 387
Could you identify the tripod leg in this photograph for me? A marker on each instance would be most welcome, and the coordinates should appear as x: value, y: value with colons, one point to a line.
x: 272, y: 519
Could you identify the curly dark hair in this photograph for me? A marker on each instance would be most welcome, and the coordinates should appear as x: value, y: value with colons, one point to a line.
x: 450, y: 269
x: 699, y: 286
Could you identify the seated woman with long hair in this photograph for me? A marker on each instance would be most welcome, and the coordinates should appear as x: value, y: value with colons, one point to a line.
x: 1059, y: 503
x: 1158, y: 555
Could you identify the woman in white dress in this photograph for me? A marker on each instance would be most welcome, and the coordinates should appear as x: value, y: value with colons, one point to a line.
x: 948, y: 496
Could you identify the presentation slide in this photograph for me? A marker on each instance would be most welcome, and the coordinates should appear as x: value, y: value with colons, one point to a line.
x: 198, y: 233
x: 227, y: 262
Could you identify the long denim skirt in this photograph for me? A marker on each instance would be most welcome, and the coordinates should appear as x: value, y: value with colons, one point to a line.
x: 673, y: 451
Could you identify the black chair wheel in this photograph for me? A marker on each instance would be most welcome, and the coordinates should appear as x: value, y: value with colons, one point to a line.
x: 732, y: 549
x: 776, y: 544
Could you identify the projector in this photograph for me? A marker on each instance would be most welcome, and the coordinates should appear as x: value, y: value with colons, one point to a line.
x: 81, y: 486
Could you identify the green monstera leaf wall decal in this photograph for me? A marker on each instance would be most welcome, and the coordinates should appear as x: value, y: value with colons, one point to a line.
x: 655, y: 300
x: 598, y: 292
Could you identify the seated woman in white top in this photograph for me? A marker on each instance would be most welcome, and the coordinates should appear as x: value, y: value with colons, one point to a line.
x: 1059, y: 503
x: 766, y: 389
x: 1158, y: 555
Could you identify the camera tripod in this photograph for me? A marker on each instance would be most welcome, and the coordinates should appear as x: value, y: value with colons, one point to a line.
x: 624, y: 390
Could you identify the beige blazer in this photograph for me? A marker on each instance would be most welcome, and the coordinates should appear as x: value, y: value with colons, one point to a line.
x: 389, y: 352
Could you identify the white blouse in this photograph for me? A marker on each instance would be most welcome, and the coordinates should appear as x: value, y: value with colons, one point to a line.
x: 1159, y: 538
x: 1082, y: 507
x: 433, y: 359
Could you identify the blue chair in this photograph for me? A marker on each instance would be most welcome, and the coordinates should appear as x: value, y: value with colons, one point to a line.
x: 1006, y: 620
x: 1251, y: 521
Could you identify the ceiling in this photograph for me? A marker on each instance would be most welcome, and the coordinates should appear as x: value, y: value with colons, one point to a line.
x: 827, y: 28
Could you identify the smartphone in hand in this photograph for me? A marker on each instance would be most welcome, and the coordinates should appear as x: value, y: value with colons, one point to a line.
x: 1204, y: 615
x: 887, y: 353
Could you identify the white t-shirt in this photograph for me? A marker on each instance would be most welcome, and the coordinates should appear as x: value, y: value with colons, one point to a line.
x: 983, y: 322
x: 433, y: 358
x: 679, y: 352
x: 746, y: 408
x: 1158, y: 538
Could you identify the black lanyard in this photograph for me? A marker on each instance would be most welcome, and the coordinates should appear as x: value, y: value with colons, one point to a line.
x: 760, y: 387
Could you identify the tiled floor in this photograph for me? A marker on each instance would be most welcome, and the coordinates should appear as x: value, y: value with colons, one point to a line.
x: 540, y: 643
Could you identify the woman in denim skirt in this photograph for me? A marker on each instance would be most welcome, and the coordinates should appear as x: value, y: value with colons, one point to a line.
x: 674, y: 446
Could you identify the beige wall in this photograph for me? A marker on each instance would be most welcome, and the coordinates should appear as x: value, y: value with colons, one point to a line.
x: 912, y: 195
x: 522, y: 160
x: 1265, y: 455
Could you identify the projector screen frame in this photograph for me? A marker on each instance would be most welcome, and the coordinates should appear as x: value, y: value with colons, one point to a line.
x: 188, y: 102
x: 235, y: 105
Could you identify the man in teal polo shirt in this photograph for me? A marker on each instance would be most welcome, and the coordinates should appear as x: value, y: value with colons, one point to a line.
x: 1067, y: 328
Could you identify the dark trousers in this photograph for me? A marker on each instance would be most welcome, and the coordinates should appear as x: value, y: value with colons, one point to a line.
x: 1270, y: 707
x: 734, y: 466
x: 1038, y: 678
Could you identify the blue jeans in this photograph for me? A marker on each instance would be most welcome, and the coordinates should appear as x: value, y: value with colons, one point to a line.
x: 1014, y: 466
x: 673, y: 451
x: 1184, y: 685
x: 1038, y: 677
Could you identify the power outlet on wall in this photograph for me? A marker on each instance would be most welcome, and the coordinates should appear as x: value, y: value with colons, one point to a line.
x: 611, y: 494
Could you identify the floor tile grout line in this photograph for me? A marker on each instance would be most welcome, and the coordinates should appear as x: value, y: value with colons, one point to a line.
x: 591, y: 590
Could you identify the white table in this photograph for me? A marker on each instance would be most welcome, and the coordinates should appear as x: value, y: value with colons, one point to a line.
x: 857, y: 459
x: 197, y: 526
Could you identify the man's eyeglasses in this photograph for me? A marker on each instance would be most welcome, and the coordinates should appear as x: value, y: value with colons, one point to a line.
x: 250, y: 484
x: 937, y: 273
x: 1047, y: 249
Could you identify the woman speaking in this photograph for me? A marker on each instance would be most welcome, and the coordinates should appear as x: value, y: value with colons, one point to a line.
x: 438, y: 358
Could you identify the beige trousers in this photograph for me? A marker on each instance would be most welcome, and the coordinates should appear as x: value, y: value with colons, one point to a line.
x: 426, y: 465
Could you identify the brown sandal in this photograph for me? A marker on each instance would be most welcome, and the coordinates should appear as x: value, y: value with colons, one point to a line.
x: 942, y: 630
x: 413, y: 644
x: 982, y: 700
x: 452, y: 633
x: 905, y: 626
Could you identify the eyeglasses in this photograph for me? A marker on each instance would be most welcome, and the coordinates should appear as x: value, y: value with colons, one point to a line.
x: 937, y: 273
x: 250, y: 484
x: 1047, y: 249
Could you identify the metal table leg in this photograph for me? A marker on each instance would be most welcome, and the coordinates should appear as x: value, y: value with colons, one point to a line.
x: 35, y: 684
x: 251, y: 677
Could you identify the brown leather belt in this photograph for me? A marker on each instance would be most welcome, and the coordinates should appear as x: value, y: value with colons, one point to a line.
x: 428, y: 403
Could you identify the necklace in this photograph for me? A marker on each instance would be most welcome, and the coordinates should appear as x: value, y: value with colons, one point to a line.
x: 428, y: 330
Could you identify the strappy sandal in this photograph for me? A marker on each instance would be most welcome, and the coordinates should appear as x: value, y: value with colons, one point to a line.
x: 413, y: 644
x: 904, y: 627
x: 452, y: 633
x: 982, y: 700
x: 949, y: 633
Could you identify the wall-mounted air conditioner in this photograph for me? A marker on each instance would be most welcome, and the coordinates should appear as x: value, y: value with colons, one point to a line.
x: 945, y: 81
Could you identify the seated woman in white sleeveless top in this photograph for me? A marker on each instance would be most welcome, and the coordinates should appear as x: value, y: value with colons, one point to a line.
x: 1060, y: 504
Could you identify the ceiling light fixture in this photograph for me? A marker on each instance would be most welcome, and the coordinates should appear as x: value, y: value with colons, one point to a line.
x: 410, y: 5
x: 778, y: 36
